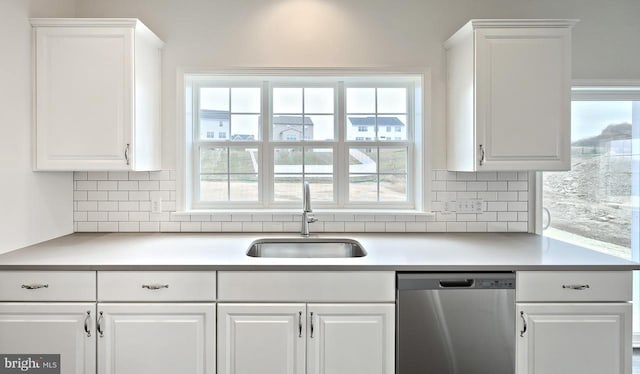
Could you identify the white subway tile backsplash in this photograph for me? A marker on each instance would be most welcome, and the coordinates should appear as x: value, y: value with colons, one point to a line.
x: 121, y: 201
x: 517, y: 226
x: 118, y: 175
x: 107, y: 226
x: 128, y: 185
x: 190, y: 226
x: 119, y: 216
x: 138, y: 175
x: 107, y: 186
x: 84, y: 185
x: 149, y: 226
x: 211, y: 226
x: 118, y: 195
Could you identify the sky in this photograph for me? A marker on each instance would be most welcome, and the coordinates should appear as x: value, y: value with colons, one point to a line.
x: 589, y: 118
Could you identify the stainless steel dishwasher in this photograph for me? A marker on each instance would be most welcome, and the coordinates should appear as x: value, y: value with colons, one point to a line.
x: 456, y: 323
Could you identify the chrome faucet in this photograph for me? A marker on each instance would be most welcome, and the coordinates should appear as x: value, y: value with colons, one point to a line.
x: 306, y: 210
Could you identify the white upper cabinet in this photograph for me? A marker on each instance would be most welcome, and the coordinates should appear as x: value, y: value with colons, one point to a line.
x: 509, y: 95
x: 96, y: 95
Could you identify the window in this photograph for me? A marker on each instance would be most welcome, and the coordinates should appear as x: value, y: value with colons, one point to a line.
x: 280, y: 131
x: 596, y: 203
x: 211, y: 135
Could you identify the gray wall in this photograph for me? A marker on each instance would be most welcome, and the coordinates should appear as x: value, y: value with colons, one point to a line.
x: 359, y: 33
x: 34, y: 206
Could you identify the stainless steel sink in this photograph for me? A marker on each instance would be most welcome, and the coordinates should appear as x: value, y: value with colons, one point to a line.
x: 306, y: 248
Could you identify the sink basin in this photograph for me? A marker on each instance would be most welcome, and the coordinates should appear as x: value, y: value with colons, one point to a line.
x: 306, y: 248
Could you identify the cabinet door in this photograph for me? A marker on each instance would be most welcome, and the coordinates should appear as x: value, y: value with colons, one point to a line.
x: 51, y: 328
x: 84, y: 103
x: 351, y: 338
x: 261, y: 338
x: 523, y: 98
x: 156, y: 338
x: 574, y: 338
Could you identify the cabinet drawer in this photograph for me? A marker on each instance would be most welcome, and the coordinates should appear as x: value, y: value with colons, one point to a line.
x: 574, y: 286
x: 156, y: 285
x: 47, y: 285
x: 312, y: 286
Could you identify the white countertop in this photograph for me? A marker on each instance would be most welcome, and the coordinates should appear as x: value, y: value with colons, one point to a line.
x: 402, y: 252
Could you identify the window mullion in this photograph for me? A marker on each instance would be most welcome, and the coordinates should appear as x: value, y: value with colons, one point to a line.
x: 341, y: 161
x: 265, y: 174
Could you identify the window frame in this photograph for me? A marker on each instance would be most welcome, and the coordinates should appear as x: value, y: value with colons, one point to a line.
x: 418, y: 173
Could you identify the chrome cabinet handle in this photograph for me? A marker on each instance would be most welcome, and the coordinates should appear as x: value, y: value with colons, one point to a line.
x: 99, y: 325
x: 126, y: 153
x: 311, y: 317
x: 87, y: 319
x: 524, y: 325
x: 34, y: 286
x: 299, y: 324
x: 481, y: 155
x: 155, y: 286
x: 577, y: 287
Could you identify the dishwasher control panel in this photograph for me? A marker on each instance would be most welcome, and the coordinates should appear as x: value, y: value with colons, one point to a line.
x: 495, y: 283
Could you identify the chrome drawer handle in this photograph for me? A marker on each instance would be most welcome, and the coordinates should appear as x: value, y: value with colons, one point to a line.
x: 34, y: 286
x: 312, y: 328
x: 155, y: 286
x: 87, y: 320
x: 524, y: 325
x: 99, y: 325
x: 578, y: 287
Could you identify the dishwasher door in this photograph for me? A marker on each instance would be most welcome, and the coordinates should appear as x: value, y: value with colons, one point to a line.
x: 456, y: 323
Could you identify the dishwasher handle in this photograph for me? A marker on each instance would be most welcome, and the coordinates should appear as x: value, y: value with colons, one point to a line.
x: 456, y: 283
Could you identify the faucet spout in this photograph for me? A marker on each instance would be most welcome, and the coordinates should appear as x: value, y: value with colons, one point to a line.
x: 306, y: 198
x: 306, y: 210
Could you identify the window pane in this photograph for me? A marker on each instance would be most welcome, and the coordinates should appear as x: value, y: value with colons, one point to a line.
x: 393, y: 187
x: 243, y: 160
x: 361, y: 100
x: 213, y: 160
x: 287, y: 187
x: 214, y: 188
x: 363, y: 160
x: 290, y: 128
x: 392, y: 100
x: 318, y: 160
x: 393, y: 160
x: 595, y: 203
x: 245, y: 100
x: 245, y: 127
x: 214, y: 124
x: 363, y: 187
x: 244, y: 187
x: 361, y: 128
x: 318, y: 100
x: 287, y: 160
x: 319, y: 127
x: 392, y: 128
x: 320, y: 187
x: 214, y: 99
x: 287, y: 100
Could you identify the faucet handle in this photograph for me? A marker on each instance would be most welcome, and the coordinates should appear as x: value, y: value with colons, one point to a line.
x: 312, y: 219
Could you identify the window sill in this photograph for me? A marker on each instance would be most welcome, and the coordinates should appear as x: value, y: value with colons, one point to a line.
x: 362, y: 212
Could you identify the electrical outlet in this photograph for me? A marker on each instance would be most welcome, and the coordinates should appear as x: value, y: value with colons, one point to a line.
x: 156, y: 205
x: 470, y: 206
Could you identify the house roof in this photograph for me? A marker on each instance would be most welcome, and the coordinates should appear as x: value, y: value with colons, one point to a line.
x: 223, y: 115
x: 371, y: 121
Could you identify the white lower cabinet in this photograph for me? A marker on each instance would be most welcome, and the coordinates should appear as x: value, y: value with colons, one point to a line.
x: 156, y: 338
x: 576, y: 338
x: 261, y: 338
x: 351, y: 338
x: 334, y: 338
x: 51, y: 328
